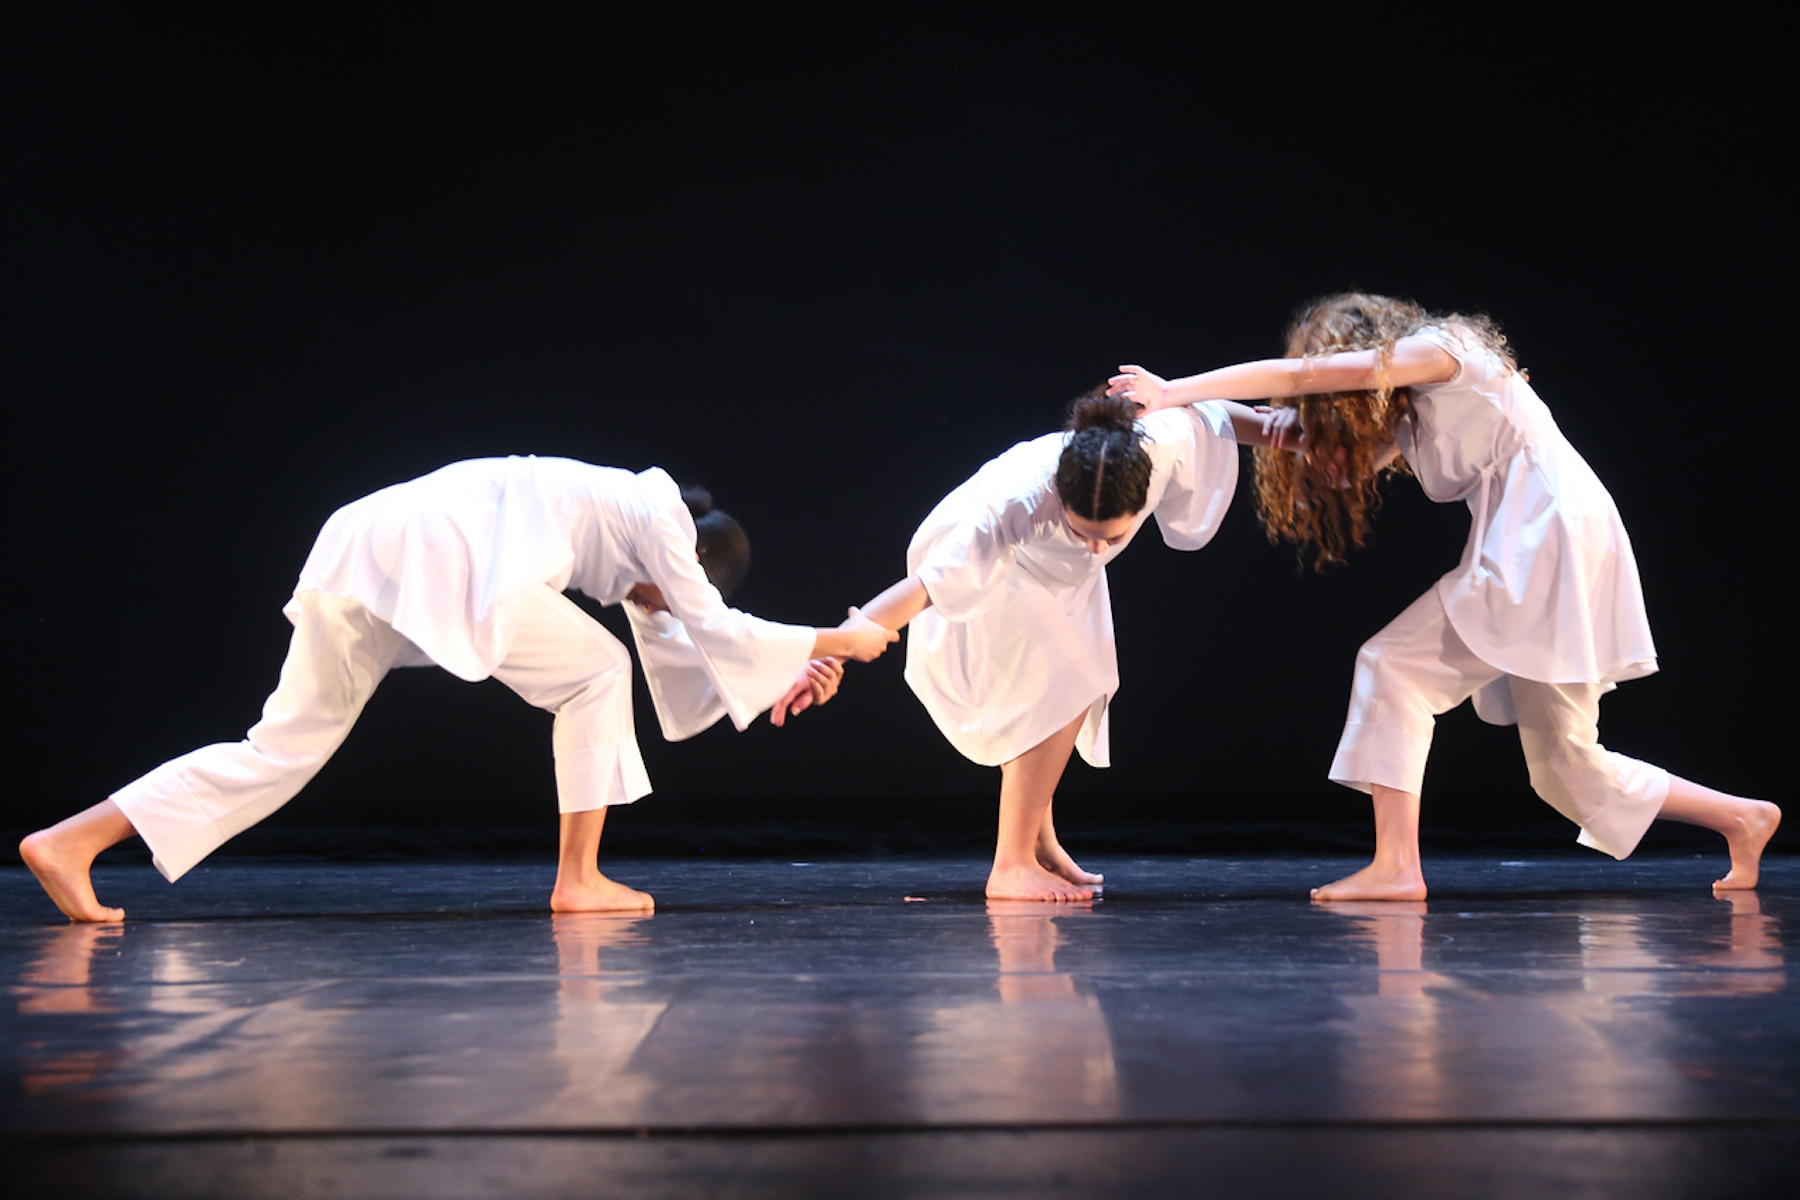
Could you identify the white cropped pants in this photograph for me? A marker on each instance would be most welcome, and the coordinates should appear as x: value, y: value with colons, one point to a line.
x: 561, y: 660
x: 1418, y: 667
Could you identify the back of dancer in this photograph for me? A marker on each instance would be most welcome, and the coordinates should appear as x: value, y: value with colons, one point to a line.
x: 466, y: 568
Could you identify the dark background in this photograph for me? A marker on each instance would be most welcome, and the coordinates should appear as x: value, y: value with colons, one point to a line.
x: 827, y: 262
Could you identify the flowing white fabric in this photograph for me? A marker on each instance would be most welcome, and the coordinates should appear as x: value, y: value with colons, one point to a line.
x: 560, y: 660
x: 1018, y: 640
x: 1547, y: 588
x: 1417, y: 667
x: 444, y: 559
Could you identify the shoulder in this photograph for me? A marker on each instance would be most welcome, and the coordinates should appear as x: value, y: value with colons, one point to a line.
x: 1475, y: 360
x: 1184, y: 423
x: 654, y: 482
x: 1022, y: 470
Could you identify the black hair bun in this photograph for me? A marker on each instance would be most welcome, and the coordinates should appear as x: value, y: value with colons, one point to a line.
x: 1097, y: 410
x: 698, y: 501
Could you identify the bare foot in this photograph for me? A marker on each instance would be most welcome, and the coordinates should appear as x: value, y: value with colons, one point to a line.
x: 63, y: 872
x: 1375, y: 882
x: 1029, y: 882
x: 1746, y: 841
x: 1054, y: 859
x: 599, y: 894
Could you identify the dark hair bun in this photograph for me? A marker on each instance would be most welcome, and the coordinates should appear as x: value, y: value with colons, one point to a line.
x: 1097, y: 410
x: 698, y: 501
x: 1104, y: 471
x: 719, y: 542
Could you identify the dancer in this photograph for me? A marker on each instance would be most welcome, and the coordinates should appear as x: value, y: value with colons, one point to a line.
x: 465, y: 568
x: 1543, y: 615
x: 1011, y: 649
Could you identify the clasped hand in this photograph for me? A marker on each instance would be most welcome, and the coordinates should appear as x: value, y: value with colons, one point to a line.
x: 817, y: 684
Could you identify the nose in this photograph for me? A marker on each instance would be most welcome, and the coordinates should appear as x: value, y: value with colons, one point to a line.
x: 1096, y: 546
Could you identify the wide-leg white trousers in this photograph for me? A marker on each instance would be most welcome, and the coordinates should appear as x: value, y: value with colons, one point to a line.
x: 561, y: 660
x: 1418, y: 667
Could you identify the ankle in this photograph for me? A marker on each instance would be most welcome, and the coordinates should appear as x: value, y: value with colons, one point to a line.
x: 1397, y: 863
x: 577, y: 875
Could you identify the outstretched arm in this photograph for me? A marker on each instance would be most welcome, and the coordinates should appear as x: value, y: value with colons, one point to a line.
x: 888, y: 612
x: 899, y: 604
x: 1415, y: 361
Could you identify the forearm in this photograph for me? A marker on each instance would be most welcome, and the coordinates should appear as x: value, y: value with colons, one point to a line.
x: 892, y: 609
x: 1260, y: 380
x: 1246, y: 423
x: 899, y: 604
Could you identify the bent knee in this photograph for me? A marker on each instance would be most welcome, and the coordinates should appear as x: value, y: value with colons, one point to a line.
x: 1558, y: 764
x: 1382, y: 693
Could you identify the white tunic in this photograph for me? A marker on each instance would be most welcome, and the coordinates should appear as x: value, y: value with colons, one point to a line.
x: 1018, y: 640
x: 444, y: 558
x: 1547, y: 588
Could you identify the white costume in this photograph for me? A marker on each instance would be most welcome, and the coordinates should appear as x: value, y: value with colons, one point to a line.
x: 465, y: 567
x: 1018, y: 640
x: 1544, y: 614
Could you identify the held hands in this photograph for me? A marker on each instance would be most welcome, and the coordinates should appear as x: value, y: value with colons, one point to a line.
x: 866, y: 638
x: 817, y: 684
x: 1145, y: 388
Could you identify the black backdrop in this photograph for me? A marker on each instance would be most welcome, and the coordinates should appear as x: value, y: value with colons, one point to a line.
x: 257, y: 265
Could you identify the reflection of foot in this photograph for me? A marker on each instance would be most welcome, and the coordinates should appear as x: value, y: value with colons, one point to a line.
x: 64, y: 876
x: 1375, y: 882
x: 1378, y: 908
x: 1031, y: 882
x: 1054, y: 859
x: 59, y: 975
x: 599, y: 895
x: 1753, y: 831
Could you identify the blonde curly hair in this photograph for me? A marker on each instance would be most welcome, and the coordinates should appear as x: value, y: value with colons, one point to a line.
x: 1325, y: 499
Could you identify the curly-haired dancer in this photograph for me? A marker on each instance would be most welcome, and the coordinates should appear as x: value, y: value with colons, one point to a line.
x: 1011, y: 649
x: 1543, y: 615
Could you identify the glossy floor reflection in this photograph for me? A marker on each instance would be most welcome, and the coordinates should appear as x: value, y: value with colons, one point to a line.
x: 778, y: 1028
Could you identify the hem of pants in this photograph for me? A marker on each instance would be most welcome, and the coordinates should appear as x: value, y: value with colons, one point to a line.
x: 173, y: 851
x: 1370, y: 754
x: 600, y: 776
x: 1619, y: 836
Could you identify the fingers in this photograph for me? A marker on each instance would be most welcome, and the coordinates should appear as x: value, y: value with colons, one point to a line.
x: 824, y: 675
x: 790, y: 703
x: 856, y: 615
x: 871, y: 637
x: 1122, y: 383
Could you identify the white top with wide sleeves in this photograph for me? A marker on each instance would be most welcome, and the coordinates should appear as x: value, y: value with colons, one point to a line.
x: 443, y: 558
x: 1018, y: 640
x: 1547, y: 588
